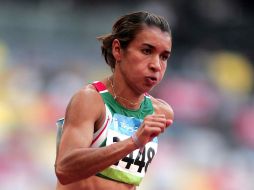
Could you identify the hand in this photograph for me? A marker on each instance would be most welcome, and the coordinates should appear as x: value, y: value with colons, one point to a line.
x: 152, y: 126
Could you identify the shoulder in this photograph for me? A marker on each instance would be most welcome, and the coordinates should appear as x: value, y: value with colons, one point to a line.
x: 85, y: 103
x: 86, y: 95
x: 162, y: 107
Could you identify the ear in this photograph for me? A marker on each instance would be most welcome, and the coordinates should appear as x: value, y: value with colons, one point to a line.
x: 116, y: 50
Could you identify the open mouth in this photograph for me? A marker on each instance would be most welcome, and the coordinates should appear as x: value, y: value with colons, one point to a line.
x: 151, y: 80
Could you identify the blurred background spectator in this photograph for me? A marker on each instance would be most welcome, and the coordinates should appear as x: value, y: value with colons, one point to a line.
x: 48, y: 50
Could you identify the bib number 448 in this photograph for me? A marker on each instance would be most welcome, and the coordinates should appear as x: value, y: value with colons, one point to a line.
x: 139, y: 160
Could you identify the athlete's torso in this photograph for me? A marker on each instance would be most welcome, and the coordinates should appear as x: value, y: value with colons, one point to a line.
x: 128, y: 172
x: 96, y: 183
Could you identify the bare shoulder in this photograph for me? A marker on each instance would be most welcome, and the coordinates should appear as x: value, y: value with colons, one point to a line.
x: 85, y: 103
x: 162, y: 107
x: 86, y: 93
x: 83, y: 111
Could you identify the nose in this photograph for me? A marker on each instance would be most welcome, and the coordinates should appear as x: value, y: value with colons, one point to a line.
x: 155, y: 64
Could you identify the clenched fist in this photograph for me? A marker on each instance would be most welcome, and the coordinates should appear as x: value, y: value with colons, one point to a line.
x: 152, y: 126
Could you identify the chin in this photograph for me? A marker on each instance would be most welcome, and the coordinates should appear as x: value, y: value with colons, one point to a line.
x: 149, y: 88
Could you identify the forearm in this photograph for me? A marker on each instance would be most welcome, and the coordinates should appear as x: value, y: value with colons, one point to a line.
x: 85, y: 162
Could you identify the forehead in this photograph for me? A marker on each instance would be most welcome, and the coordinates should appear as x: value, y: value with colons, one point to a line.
x: 153, y: 36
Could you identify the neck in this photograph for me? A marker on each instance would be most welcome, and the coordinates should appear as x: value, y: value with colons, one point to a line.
x: 121, y: 96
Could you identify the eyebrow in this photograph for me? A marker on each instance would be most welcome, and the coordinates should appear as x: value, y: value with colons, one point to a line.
x: 152, y: 47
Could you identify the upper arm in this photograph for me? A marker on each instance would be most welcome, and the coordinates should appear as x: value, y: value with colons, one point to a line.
x: 162, y: 107
x: 83, y: 111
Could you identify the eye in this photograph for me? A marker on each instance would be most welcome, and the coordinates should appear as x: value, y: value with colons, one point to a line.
x: 164, y: 57
x: 146, y: 51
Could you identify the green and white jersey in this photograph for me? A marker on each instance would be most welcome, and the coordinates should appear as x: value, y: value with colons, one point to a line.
x: 120, y: 123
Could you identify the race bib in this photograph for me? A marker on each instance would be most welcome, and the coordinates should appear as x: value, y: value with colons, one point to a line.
x: 135, y: 163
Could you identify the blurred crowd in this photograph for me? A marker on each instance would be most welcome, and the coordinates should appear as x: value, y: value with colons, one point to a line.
x: 48, y: 50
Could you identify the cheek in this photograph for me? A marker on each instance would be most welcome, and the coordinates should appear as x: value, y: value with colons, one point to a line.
x: 163, y: 70
x: 163, y: 67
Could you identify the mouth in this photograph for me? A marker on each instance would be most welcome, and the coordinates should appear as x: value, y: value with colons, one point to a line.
x: 151, y: 80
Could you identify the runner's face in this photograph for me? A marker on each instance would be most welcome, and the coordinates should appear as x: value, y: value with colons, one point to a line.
x: 144, y: 62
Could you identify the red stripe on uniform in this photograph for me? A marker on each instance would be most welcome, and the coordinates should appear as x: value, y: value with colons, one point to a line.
x: 101, y: 131
x: 99, y: 86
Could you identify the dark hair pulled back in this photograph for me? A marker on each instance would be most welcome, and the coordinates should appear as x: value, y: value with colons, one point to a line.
x: 125, y: 30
